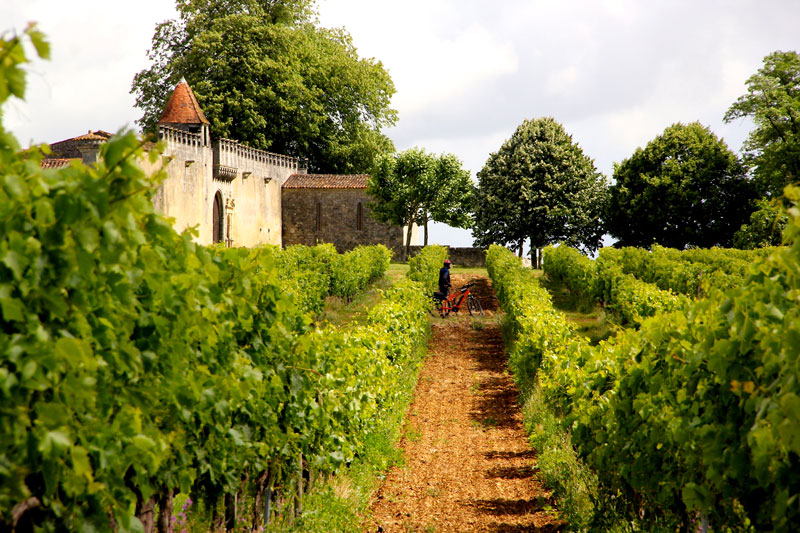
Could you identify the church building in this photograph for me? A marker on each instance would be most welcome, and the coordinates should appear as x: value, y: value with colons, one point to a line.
x: 241, y: 196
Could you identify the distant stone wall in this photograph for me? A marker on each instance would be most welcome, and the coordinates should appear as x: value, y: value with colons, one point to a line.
x: 312, y: 216
x: 464, y: 257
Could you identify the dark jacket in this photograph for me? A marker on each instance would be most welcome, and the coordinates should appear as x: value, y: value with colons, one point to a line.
x: 444, y: 279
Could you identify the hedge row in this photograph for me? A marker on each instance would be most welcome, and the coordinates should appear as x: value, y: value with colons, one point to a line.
x: 310, y: 273
x: 604, y: 280
x: 733, y: 263
x: 692, y: 279
x: 692, y: 421
x: 424, y: 267
x: 356, y: 269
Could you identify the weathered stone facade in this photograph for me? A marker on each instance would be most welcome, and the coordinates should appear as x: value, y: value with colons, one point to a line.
x: 235, y: 194
x: 333, y: 209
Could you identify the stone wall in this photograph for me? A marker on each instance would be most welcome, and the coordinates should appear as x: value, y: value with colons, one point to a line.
x: 252, y: 179
x: 463, y: 257
x: 312, y: 216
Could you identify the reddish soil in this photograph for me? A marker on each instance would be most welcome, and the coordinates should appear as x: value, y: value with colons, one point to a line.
x: 468, y: 465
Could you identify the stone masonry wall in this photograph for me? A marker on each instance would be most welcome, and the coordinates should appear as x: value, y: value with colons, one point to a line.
x: 337, y: 220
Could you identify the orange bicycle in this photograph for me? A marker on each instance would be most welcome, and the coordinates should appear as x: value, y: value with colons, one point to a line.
x: 453, y: 302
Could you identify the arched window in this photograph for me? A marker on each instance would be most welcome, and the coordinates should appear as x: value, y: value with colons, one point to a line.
x: 359, y: 217
x: 318, y: 217
x: 218, y: 219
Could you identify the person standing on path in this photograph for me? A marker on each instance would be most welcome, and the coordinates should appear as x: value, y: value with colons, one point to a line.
x: 444, y: 279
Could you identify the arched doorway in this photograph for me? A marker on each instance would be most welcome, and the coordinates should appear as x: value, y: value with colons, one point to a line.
x: 218, y: 234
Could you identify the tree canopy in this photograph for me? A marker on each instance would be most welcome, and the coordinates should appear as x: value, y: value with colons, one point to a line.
x: 685, y: 188
x: 265, y: 75
x: 414, y: 187
x: 773, y: 103
x: 539, y: 185
x: 765, y: 227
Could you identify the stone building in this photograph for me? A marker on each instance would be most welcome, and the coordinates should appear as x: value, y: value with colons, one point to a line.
x: 333, y: 208
x: 234, y: 194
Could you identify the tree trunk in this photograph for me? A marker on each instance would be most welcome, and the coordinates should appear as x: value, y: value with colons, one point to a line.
x: 536, y: 257
x: 408, y: 239
x: 146, y: 513
x: 298, y: 508
x: 258, y: 500
x: 217, y: 518
x: 521, y: 246
x: 230, y: 511
x: 165, y: 512
x: 426, y: 230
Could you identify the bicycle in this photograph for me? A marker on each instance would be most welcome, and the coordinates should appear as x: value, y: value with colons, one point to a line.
x: 453, y: 302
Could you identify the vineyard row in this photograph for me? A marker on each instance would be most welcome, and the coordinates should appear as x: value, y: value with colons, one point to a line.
x: 135, y: 364
x: 693, y: 419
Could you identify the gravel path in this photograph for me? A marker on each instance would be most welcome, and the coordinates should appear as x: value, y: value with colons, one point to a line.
x: 468, y: 465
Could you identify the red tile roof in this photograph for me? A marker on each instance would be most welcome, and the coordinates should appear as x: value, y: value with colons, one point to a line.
x: 58, y: 162
x: 68, y: 148
x: 182, y: 107
x: 98, y: 135
x: 326, y: 181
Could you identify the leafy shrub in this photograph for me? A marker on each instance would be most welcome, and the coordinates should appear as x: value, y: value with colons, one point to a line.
x: 605, y: 280
x: 305, y: 273
x: 351, y: 272
x: 573, y: 269
x: 714, y: 401
x: 424, y: 267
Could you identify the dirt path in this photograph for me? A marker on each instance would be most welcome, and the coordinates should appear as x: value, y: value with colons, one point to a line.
x: 468, y: 465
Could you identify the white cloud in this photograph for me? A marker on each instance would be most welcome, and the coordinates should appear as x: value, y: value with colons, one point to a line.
x: 472, y: 150
x: 429, y: 61
x: 562, y: 80
x: 447, y: 68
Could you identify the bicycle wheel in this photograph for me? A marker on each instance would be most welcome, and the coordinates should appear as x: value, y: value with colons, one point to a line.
x: 474, y: 306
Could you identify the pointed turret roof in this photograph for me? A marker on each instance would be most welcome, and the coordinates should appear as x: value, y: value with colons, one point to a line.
x: 182, y: 107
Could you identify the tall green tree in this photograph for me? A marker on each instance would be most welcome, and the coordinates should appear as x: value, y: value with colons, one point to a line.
x: 539, y: 186
x: 415, y: 187
x: 773, y: 103
x: 685, y: 188
x: 265, y: 75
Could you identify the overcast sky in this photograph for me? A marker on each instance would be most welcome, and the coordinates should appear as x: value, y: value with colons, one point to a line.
x: 615, y: 73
